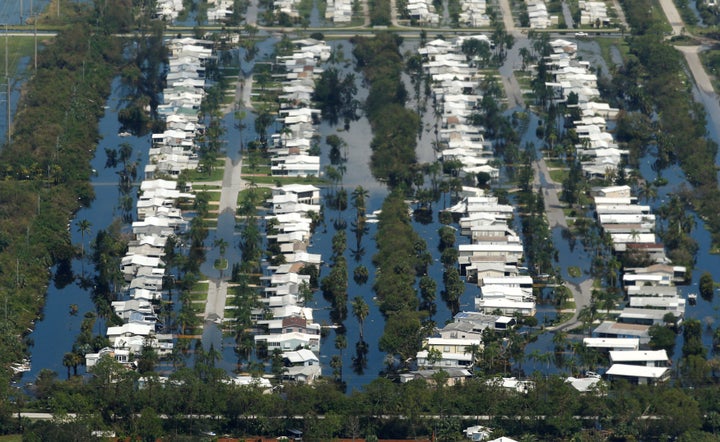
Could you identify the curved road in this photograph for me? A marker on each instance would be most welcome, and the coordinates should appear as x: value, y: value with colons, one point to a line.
x: 582, y: 293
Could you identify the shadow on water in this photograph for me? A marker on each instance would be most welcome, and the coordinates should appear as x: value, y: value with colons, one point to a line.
x: 56, y: 331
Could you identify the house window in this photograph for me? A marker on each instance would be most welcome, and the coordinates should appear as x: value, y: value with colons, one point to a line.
x: 446, y: 349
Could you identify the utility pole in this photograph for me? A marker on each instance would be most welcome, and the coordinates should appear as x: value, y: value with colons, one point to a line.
x: 35, y: 39
x: 7, y: 81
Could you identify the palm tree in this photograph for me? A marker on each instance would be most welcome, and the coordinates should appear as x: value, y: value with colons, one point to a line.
x: 361, y: 311
x: 83, y: 226
x: 67, y: 361
x: 359, y: 195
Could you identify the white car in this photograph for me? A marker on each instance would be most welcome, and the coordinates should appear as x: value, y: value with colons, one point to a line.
x: 581, y: 34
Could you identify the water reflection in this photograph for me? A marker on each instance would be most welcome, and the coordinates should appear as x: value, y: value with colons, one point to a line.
x: 56, y: 331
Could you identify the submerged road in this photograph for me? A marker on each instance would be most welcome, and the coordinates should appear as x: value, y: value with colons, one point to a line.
x: 232, y: 184
x: 582, y: 293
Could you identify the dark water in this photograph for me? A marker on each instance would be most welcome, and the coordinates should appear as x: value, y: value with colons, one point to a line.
x: 15, y: 12
x: 55, y: 333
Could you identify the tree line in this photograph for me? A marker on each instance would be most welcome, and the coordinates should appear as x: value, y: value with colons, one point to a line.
x: 120, y: 400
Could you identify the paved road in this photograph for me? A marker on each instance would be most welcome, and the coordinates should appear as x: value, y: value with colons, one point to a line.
x: 550, y: 189
x: 697, y: 69
x: 568, y: 15
x: 673, y: 16
x: 232, y: 184
x: 621, y: 14
x: 217, y: 296
x: 582, y: 293
x: 507, y: 17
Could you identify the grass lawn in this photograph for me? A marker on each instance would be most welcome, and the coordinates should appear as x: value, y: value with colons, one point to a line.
x: 568, y: 305
x: 710, y: 60
x: 257, y: 170
x: 558, y: 175
x: 574, y: 271
x: 200, y: 287
x: 211, y: 223
x: 215, y: 175
x: 198, y: 296
x: 213, y: 195
x: 261, y: 194
x: 286, y: 180
x: 606, y: 45
x: 18, y: 48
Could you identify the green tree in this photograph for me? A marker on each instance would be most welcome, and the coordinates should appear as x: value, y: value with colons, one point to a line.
x: 707, y: 286
x: 83, y: 226
x: 360, y: 310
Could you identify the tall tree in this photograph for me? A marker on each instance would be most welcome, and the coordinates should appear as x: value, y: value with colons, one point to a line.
x: 360, y: 310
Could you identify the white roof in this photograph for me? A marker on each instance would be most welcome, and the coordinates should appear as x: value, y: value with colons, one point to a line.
x: 301, y: 356
x: 632, y: 343
x: 638, y: 356
x: 637, y: 371
x: 455, y: 342
x: 582, y: 384
x: 132, y: 328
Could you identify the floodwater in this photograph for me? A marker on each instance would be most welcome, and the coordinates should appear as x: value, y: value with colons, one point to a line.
x: 56, y: 331
x: 15, y: 12
x: 50, y: 345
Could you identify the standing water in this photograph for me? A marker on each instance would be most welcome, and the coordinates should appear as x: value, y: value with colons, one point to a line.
x: 67, y: 299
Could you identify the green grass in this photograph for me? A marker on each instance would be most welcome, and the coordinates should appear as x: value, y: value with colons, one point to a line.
x: 568, y: 305
x: 200, y: 287
x: 211, y: 223
x: 11, y: 438
x: 199, y: 296
x: 216, y: 174
x: 558, y: 175
x: 220, y: 264
x: 606, y: 45
x: 709, y: 60
x: 18, y: 47
x: 213, y: 195
x: 555, y: 164
x: 257, y: 170
x: 574, y: 271
x: 262, y: 194
x: 286, y: 180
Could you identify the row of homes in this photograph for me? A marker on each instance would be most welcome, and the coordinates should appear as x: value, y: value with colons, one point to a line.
x: 158, y: 215
x: 574, y: 83
x: 491, y: 259
x: 423, y: 12
x: 339, y: 11
x: 457, y: 95
x: 538, y: 14
x: 473, y: 13
x: 290, y: 147
x: 593, y: 13
x: 456, y: 345
x: 652, y: 298
x: 284, y: 323
x: 219, y: 10
x: 168, y: 9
